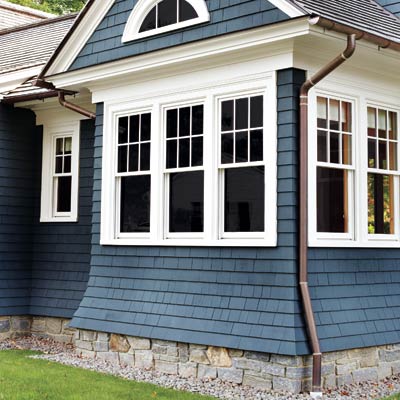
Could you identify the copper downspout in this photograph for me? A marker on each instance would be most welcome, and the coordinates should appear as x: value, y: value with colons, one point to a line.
x: 74, y: 107
x: 303, y: 230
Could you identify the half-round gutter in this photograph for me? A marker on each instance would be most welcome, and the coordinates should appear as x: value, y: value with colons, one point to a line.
x: 74, y: 107
x: 303, y: 232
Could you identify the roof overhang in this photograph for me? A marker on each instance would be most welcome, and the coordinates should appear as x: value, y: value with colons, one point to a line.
x: 12, y: 79
x: 189, y: 54
x: 381, y: 42
x: 85, y: 24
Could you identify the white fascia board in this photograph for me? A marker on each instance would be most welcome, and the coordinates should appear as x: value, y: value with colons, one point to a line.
x: 12, y: 80
x: 288, y: 8
x: 68, y: 53
x: 192, y: 52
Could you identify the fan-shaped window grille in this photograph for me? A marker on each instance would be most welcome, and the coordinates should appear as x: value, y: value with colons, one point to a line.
x: 154, y: 17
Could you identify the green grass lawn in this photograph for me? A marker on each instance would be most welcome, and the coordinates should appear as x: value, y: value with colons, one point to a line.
x: 23, y: 378
x: 395, y: 397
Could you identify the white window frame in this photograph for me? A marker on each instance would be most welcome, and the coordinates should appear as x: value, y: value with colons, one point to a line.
x: 358, y: 207
x: 210, y: 98
x: 168, y: 171
x: 143, y: 7
x: 119, y: 175
x: 396, y: 178
x: 48, y: 212
x: 222, y: 167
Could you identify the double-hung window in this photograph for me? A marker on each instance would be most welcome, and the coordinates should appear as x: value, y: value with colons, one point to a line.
x: 133, y: 179
x: 184, y: 174
x: 383, y: 171
x: 60, y: 173
x: 197, y: 169
x: 335, y: 167
x: 242, y: 171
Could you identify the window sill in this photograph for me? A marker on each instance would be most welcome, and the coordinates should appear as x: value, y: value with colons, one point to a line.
x: 129, y: 37
x: 191, y: 242
x: 58, y: 219
x: 382, y: 243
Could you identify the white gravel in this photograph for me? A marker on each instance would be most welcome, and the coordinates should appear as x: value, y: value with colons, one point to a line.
x: 64, y: 354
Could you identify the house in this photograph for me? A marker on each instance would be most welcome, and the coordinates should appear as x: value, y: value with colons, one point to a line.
x: 221, y: 195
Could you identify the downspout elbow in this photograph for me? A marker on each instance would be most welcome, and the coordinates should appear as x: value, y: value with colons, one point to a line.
x: 74, y: 107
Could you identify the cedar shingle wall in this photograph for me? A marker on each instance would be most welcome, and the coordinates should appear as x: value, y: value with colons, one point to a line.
x: 358, y: 296
x: 235, y: 297
x: 16, y: 211
x: 61, y: 251
x: 226, y: 16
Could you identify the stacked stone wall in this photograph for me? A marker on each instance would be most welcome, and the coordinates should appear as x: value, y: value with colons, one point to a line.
x: 259, y: 370
x: 54, y: 328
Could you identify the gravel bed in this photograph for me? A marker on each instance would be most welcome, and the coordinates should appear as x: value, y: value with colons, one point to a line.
x: 64, y: 354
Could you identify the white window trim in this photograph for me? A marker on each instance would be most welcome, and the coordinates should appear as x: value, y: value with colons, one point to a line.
x: 358, y: 207
x: 143, y: 7
x: 210, y: 97
x: 47, y: 205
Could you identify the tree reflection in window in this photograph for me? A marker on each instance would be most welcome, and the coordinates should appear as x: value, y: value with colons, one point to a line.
x: 382, y: 169
x: 168, y: 12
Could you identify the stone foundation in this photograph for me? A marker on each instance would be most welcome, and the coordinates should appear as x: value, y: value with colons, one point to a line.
x: 54, y: 328
x: 260, y: 370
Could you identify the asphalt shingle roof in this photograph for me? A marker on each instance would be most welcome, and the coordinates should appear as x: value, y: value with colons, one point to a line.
x: 366, y: 15
x: 15, y: 15
x: 32, y: 45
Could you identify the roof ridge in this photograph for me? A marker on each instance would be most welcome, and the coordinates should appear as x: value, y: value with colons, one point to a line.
x: 25, y: 10
x: 36, y: 24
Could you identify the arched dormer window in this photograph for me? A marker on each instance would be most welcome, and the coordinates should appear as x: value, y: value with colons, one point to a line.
x: 151, y: 17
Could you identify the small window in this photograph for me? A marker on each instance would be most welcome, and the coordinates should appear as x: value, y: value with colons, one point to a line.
x: 151, y: 17
x: 184, y: 169
x: 334, y: 165
x: 242, y: 165
x: 133, y: 174
x: 62, y: 175
x: 60, y: 169
x: 382, y: 170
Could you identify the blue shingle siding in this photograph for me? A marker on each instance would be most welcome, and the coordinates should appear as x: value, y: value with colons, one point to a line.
x: 16, y: 213
x: 235, y: 297
x: 391, y: 5
x: 61, y: 251
x: 358, y: 296
x: 227, y: 16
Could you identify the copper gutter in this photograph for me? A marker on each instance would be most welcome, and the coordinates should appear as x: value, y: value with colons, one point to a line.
x: 28, y: 97
x: 61, y: 98
x: 74, y: 107
x: 303, y: 220
x: 360, y: 34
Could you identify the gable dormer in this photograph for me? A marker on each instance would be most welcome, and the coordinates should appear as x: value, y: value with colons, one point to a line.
x: 112, y: 30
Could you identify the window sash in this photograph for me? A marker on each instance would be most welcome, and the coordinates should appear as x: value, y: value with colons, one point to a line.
x: 61, y: 130
x: 167, y: 172
x: 222, y: 167
x: 118, y: 176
